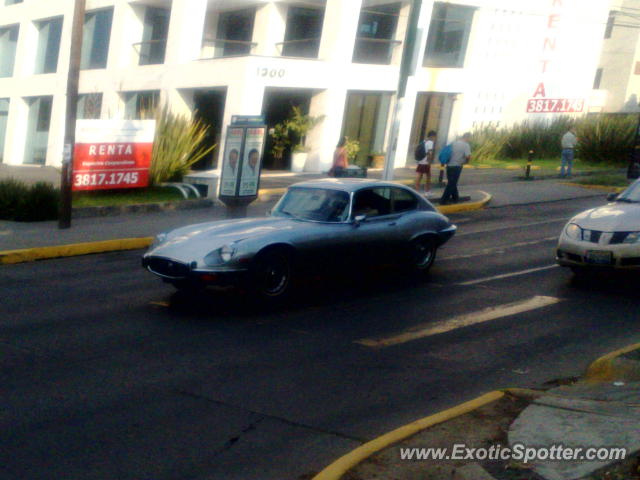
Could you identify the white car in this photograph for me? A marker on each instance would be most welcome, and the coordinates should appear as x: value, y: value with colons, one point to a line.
x: 604, y: 237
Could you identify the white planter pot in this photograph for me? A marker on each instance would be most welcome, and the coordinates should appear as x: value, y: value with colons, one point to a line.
x: 298, y: 161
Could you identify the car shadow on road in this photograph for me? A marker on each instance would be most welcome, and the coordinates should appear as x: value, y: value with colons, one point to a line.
x: 623, y: 284
x: 311, y: 291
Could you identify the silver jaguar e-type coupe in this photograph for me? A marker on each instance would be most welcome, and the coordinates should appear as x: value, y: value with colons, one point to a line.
x: 329, y: 225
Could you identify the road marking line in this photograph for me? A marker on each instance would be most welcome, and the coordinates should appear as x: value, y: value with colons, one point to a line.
x: 506, y: 275
x: 465, y: 320
x: 501, y: 249
x: 160, y: 304
x: 532, y: 224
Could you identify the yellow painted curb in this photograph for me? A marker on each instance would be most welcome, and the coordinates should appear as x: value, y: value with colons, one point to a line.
x: 72, y: 250
x: 604, y: 369
x: 338, y: 468
x: 465, y: 207
x: 594, y: 187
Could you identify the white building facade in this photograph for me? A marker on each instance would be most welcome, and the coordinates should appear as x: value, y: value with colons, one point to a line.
x: 481, y: 62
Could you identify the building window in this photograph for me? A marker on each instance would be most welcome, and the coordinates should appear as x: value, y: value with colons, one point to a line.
x: 608, y: 31
x: 4, y: 117
x: 49, y: 32
x: 235, y: 32
x: 8, y: 43
x: 95, y: 39
x: 598, y: 79
x: 376, y: 31
x: 89, y: 106
x: 38, y: 130
x: 303, y: 32
x: 448, y: 35
x: 154, y: 36
x: 365, y: 120
x: 141, y: 105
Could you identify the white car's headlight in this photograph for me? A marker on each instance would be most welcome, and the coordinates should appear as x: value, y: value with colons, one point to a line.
x: 633, y: 237
x: 573, y: 231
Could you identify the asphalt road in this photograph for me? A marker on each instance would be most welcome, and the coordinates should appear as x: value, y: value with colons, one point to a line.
x: 106, y: 373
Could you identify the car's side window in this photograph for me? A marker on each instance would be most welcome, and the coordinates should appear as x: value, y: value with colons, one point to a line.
x: 372, y: 202
x: 403, y: 200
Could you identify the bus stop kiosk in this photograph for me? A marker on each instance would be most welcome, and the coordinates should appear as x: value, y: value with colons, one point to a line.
x: 242, y: 163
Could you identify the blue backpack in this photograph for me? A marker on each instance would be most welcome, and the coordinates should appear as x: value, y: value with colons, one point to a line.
x: 445, y: 155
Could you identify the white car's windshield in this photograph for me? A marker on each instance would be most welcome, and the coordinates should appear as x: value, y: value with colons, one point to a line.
x: 314, y: 204
x: 631, y: 194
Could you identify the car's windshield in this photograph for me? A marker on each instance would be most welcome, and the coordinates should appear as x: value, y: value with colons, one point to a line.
x: 315, y: 204
x: 631, y: 194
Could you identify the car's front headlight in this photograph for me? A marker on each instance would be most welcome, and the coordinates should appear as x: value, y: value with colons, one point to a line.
x: 633, y: 237
x: 573, y: 231
x: 221, y: 255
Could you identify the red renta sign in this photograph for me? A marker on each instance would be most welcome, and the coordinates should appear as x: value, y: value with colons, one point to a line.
x: 112, y: 154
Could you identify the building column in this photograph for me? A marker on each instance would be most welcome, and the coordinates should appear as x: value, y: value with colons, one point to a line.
x: 57, y: 129
x: 269, y: 28
x: 339, y: 30
x: 322, y: 139
x: 16, y: 135
x: 126, y: 29
x: 186, y: 30
x: 401, y: 32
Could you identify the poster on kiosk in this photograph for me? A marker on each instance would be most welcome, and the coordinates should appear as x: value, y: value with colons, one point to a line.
x: 242, y: 160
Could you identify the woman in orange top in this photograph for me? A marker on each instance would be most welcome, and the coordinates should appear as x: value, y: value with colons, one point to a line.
x: 340, y: 159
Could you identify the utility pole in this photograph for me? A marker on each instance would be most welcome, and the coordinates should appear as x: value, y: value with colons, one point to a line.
x: 407, y: 68
x: 73, y: 81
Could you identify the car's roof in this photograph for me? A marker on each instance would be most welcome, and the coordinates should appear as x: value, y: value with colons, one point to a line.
x: 345, y: 184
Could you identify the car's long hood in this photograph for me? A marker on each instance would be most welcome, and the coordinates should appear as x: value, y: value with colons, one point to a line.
x: 193, y: 242
x: 614, y: 217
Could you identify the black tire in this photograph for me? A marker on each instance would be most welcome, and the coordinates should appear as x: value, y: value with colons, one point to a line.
x: 272, y: 275
x: 423, y: 254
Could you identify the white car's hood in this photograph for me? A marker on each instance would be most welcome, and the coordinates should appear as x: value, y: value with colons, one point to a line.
x: 614, y: 217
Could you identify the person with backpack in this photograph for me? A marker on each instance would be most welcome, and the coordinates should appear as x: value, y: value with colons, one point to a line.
x: 424, y: 157
x: 460, y: 155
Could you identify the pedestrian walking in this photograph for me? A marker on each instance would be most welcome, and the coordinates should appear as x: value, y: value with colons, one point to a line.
x: 568, y: 143
x: 460, y: 155
x: 425, y: 151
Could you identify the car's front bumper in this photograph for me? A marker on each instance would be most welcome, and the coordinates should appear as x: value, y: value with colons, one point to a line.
x: 575, y: 253
x: 173, y: 271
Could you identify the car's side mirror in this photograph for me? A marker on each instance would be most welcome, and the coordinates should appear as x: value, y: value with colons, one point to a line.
x: 612, y: 197
x: 358, y: 219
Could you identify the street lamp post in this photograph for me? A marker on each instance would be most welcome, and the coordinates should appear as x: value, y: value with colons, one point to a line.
x: 407, y: 68
x: 73, y: 80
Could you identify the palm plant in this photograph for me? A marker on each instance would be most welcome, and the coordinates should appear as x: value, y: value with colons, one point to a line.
x: 179, y: 143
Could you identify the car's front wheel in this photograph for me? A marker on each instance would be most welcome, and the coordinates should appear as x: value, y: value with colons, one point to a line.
x: 423, y: 254
x: 272, y: 275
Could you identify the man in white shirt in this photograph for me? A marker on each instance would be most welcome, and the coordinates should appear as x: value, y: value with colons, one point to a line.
x: 424, y: 164
x: 460, y: 154
x: 568, y: 143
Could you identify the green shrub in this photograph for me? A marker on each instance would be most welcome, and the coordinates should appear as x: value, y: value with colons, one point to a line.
x: 602, y: 138
x: 23, y: 203
x: 178, y: 145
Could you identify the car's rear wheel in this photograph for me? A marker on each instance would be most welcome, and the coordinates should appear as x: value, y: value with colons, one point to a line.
x: 423, y: 254
x: 272, y: 275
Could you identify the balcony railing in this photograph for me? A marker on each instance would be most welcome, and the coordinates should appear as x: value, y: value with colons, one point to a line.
x: 151, y: 52
x: 220, y: 47
x: 377, y: 51
x: 303, y: 47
